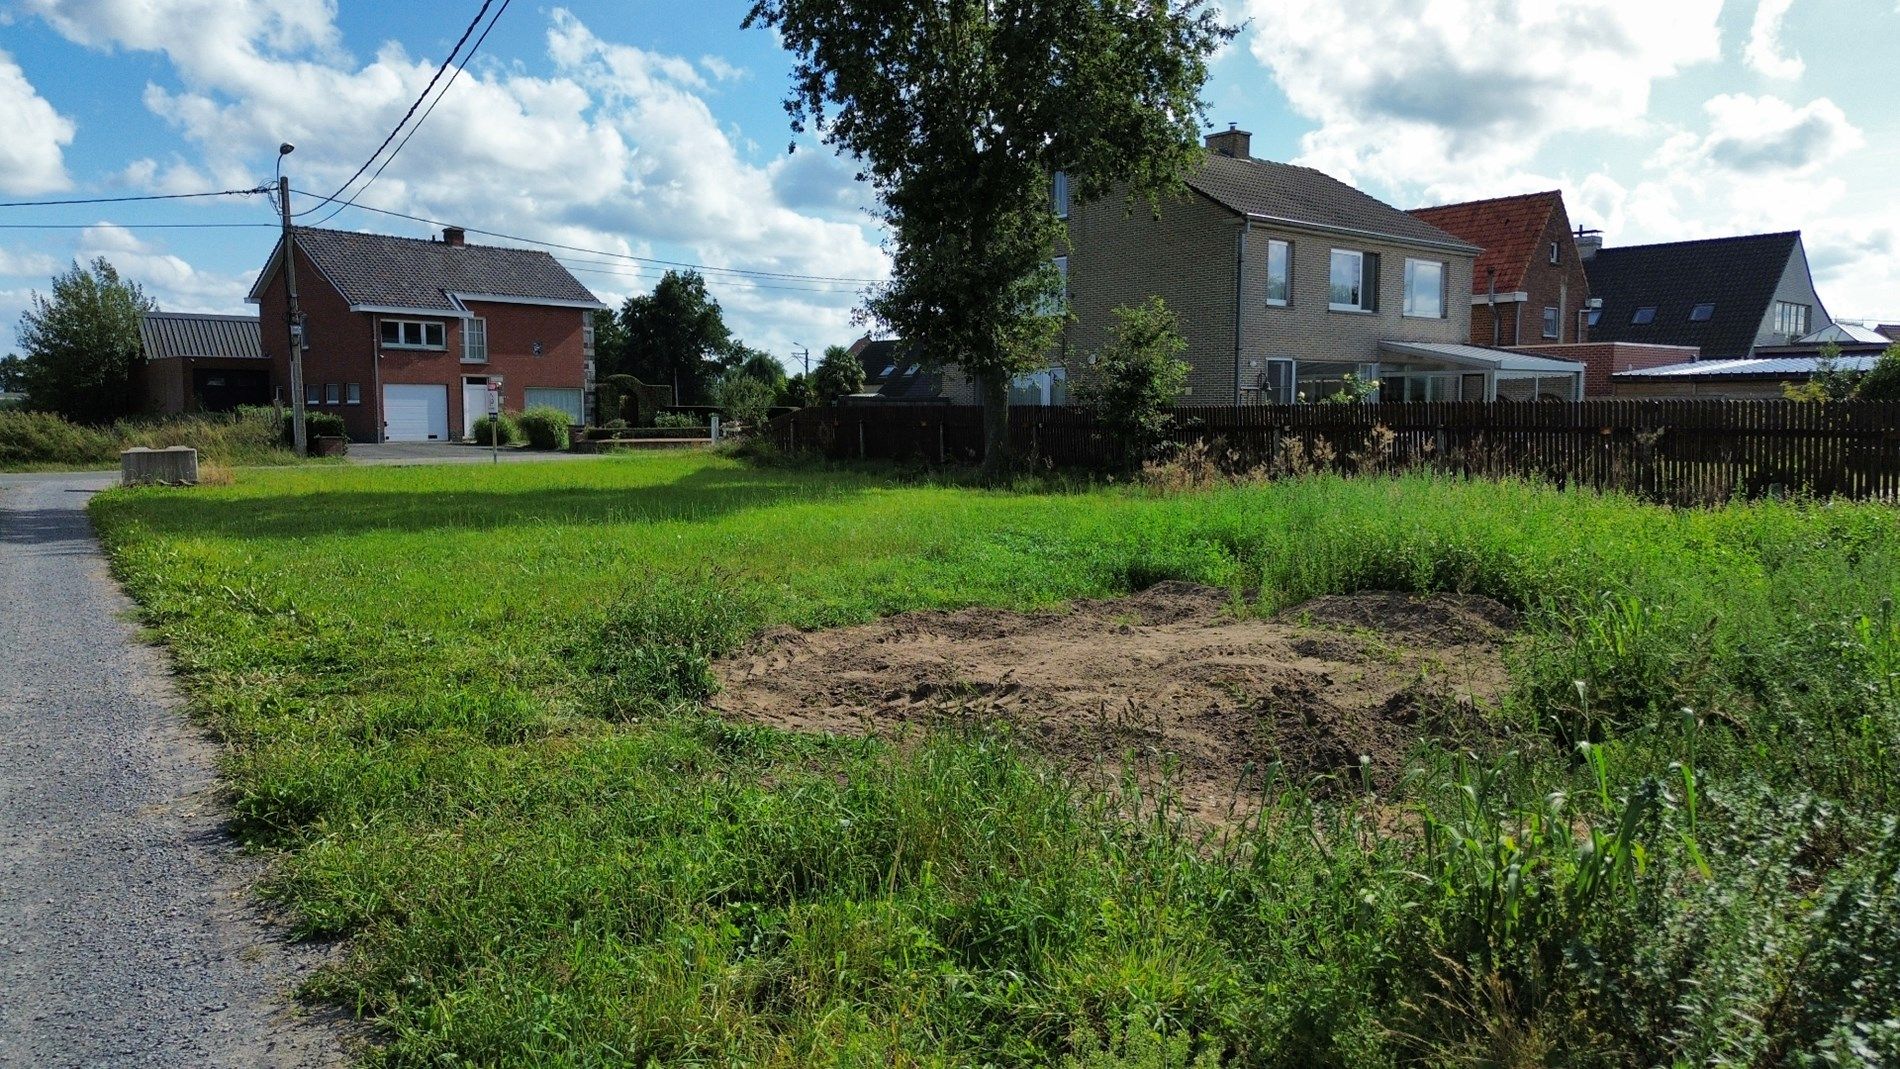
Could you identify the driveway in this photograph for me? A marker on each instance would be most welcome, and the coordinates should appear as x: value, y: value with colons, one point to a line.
x: 127, y: 934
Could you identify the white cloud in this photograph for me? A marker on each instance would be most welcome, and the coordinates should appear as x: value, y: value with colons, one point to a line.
x: 168, y: 279
x: 615, y: 149
x: 1764, y: 51
x: 32, y: 136
x: 1459, y: 94
x: 1760, y: 135
x: 26, y: 264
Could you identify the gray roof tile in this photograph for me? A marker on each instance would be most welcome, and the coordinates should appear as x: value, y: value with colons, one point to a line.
x: 1302, y: 195
x: 169, y: 335
x: 1738, y: 275
x: 380, y: 269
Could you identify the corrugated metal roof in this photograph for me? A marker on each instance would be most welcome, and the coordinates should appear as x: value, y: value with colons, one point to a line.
x: 1480, y: 357
x: 1784, y: 366
x: 1299, y: 195
x: 382, y: 270
x: 170, y: 335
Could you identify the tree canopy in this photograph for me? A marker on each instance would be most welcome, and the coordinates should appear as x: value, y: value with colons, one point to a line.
x: 82, y: 344
x: 675, y: 336
x: 961, y: 113
x: 839, y: 374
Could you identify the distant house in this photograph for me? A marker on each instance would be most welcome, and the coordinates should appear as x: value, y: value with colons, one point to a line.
x: 1753, y: 379
x: 1528, y: 286
x: 1285, y: 281
x: 1890, y: 331
x: 1727, y: 297
x: 202, y: 363
x: 402, y: 336
x: 894, y: 371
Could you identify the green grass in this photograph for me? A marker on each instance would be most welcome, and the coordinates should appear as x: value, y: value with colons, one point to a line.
x: 461, y: 707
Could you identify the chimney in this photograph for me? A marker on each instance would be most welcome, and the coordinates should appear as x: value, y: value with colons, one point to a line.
x: 454, y: 236
x: 1232, y: 141
x: 1589, y: 243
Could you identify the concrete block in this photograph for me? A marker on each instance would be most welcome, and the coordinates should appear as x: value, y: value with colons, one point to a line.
x: 177, y: 466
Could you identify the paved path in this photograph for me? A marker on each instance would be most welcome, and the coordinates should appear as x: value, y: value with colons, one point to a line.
x: 126, y: 934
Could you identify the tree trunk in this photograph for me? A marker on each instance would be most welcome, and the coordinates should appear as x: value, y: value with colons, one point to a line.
x: 993, y: 389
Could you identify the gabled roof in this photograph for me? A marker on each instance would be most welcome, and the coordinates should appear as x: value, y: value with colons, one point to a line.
x: 1737, y: 275
x: 384, y: 271
x: 1845, y: 334
x: 880, y: 359
x: 1303, y: 197
x: 171, y: 335
x: 1891, y: 331
x: 1510, y: 230
x: 1776, y: 367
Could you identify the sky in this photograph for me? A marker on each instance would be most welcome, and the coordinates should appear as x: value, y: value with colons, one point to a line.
x: 656, y: 130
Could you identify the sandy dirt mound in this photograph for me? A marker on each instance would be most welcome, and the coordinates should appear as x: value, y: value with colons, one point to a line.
x: 1169, y: 677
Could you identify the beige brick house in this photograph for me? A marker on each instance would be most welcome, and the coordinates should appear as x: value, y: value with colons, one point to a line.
x: 1285, y: 279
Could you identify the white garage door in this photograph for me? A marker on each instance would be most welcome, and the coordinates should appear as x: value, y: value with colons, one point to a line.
x: 416, y: 413
x: 568, y: 401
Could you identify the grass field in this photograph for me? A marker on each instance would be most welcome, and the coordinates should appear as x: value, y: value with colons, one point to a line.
x: 462, y: 705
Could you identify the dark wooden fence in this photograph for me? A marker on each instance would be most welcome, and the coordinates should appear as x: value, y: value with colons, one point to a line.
x: 1686, y: 452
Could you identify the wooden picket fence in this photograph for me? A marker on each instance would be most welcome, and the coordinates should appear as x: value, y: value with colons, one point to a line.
x: 1683, y: 452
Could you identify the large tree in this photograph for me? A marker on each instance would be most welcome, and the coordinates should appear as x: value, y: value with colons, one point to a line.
x: 676, y: 336
x: 82, y: 344
x: 961, y: 112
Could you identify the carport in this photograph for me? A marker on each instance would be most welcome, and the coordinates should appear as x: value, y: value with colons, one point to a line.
x: 1438, y: 371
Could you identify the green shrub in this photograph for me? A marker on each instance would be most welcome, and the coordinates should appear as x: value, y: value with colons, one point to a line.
x: 315, y: 425
x: 678, y: 419
x: 485, y: 430
x: 44, y: 438
x: 544, y: 426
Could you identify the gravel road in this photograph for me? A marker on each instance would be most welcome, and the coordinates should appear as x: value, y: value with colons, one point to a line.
x: 126, y: 933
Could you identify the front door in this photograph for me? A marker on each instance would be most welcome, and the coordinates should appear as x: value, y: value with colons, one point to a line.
x: 474, y: 403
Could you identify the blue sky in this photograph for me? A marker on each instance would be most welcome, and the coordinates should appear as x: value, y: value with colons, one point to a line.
x: 655, y: 129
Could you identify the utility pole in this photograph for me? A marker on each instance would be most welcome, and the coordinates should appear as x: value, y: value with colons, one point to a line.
x: 299, y: 434
x: 804, y: 353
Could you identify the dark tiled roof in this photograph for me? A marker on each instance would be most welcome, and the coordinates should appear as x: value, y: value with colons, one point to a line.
x: 1737, y: 275
x: 878, y: 358
x: 380, y: 269
x: 170, y: 335
x: 1510, y: 230
x: 1302, y: 195
x: 1891, y: 330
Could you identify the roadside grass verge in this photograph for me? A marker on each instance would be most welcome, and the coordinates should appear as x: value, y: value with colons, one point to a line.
x: 42, y: 441
x: 463, y: 706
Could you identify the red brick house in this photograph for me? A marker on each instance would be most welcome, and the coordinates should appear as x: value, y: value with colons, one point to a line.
x: 1529, y: 285
x: 403, y: 335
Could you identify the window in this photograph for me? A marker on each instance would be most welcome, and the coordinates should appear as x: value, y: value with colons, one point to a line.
x: 1643, y: 317
x: 1792, y: 319
x: 1317, y: 380
x: 1056, y: 303
x: 475, y: 341
x: 1355, y: 282
x: 1437, y: 386
x: 1050, y: 387
x: 1279, y: 273
x: 332, y: 393
x: 1702, y: 313
x: 1059, y: 194
x: 1556, y: 253
x: 572, y: 402
x: 587, y: 334
x: 312, y: 394
x: 412, y: 334
x: 1552, y: 323
x: 1425, y: 289
x: 1277, y: 385
x: 353, y: 394
x: 1596, y: 316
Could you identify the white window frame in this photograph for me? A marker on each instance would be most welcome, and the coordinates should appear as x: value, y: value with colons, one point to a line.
x: 332, y: 393
x: 423, y: 328
x: 1556, y: 254
x: 1286, y: 279
x: 474, y: 340
x: 1368, y: 301
x: 312, y: 394
x: 353, y: 393
x: 1553, y: 322
x: 1059, y: 194
x: 1444, y: 271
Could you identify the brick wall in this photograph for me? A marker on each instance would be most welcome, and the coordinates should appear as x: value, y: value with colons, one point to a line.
x: 1564, y: 286
x: 344, y: 348
x: 1188, y: 257
x: 1603, y: 359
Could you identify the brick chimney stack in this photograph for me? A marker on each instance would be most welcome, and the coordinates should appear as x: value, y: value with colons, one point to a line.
x: 1232, y: 141
x: 454, y: 236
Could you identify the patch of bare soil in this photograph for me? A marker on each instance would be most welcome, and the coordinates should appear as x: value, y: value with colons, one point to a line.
x: 1169, y: 678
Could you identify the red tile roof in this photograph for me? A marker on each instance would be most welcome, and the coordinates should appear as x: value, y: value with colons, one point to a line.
x: 1510, y: 230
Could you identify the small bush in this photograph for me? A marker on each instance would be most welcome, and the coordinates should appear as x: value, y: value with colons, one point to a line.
x: 544, y: 426
x: 678, y: 419
x: 487, y: 427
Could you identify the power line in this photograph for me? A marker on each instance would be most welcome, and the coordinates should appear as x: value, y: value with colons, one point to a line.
x: 127, y: 200
x: 783, y: 275
x: 404, y: 143
x: 135, y: 226
x: 449, y: 59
